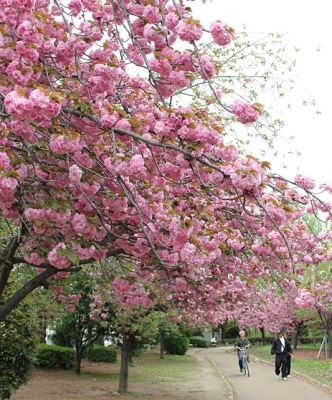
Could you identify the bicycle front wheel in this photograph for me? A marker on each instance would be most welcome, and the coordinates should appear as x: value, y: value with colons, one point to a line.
x: 246, y: 366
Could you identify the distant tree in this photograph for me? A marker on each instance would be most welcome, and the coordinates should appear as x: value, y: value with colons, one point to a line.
x: 76, y: 327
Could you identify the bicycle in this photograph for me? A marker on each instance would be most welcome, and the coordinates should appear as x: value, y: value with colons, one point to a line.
x: 245, y: 364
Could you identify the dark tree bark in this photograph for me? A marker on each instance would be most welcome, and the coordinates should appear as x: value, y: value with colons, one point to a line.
x: 223, y: 332
x: 263, y: 334
x: 162, y: 344
x: 78, y: 359
x: 124, y: 369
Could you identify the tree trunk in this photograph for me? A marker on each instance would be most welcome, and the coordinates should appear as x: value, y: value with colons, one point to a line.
x: 162, y: 344
x: 295, y: 336
x: 78, y: 359
x: 42, y: 328
x: 30, y: 286
x: 123, y: 384
x: 223, y: 332
x: 263, y: 334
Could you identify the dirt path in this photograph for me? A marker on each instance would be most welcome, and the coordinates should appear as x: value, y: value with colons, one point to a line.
x: 262, y: 383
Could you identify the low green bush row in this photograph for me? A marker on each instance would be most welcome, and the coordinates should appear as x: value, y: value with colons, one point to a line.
x: 51, y: 356
x: 101, y: 354
x: 310, y: 340
x: 57, y: 357
x: 199, y: 341
x: 257, y: 340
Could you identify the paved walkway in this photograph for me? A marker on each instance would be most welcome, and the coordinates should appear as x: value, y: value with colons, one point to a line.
x: 262, y: 383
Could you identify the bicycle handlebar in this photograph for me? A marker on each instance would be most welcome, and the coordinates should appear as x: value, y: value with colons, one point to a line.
x: 243, y: 348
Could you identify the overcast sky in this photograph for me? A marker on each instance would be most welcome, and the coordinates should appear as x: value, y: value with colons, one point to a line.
x: 307, y: 24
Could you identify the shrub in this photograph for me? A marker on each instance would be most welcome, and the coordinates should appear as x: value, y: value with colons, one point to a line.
x: 101, y: 354
x: 51, y: 356
x: 199, y: 341
x: 176, y: 344
x: 18, y: 348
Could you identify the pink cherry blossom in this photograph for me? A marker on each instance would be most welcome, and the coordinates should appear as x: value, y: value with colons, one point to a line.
x: 307, y: 183
x: 220, y: 34
x: 4, y: 161
x: 188, y: 31
x: 305, y: 299
x: 244, y: 112
x: 56, y: 260
x: 75, y: 7
x: 75, y: 173
x: 70, y: 307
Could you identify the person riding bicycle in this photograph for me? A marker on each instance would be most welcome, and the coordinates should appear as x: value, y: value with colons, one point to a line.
x: 241, y: 342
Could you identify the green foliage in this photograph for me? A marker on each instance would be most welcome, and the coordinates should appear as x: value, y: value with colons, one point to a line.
x: 64, y: 335
x: 55, y: 357
x: 199, y: 341
x: 198, y: 332
x: 232, y: 332
x: 176, y: 344
x: 101, y: 354
x: 186, y: 331
x: 18, y: 347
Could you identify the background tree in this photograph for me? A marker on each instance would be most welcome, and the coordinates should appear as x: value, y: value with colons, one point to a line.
x: 76, y: 328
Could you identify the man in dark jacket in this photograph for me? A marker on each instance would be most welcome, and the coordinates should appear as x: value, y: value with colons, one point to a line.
x: 281, y: 348
x: 241, y: 342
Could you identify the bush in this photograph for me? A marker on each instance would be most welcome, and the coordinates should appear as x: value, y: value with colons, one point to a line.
x: 199, y: 341
x: 18, y: 348
x: 51, y: 356
x: 176, y: 344
x: 101, y: 354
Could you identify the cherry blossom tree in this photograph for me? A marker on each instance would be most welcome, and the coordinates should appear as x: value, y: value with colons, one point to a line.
x: 318, y: 296
x: 96, y: 162
x: 100, y: 162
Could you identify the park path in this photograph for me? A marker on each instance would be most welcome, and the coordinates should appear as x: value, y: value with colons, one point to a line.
x: 262, y: 383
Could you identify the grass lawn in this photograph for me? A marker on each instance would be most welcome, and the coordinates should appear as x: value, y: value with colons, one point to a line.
x: 305, y: 362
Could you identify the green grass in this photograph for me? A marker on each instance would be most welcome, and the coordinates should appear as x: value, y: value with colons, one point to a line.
x: 154, y: 370
x: 319, y: 369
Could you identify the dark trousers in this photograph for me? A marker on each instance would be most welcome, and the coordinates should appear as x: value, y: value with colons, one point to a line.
x: 281, y: 362
x: 240, y: 357
x: 288, y: 364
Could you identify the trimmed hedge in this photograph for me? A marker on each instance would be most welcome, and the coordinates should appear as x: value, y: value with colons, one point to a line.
x: 310, y: 340
x: 51, y: 356
x: 176, y: 344
x: 257, y: 340
x: 199, y: 341
x: 101, y: 354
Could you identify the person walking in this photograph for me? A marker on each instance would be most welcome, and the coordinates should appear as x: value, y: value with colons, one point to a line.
x: 288, y: 360
x: 241, y: 342
x: 280, y: 348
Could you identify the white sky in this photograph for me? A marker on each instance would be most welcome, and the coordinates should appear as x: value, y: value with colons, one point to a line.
x: 307, y: 24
